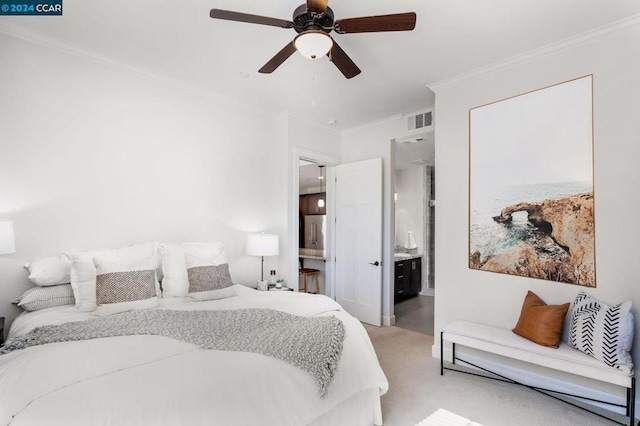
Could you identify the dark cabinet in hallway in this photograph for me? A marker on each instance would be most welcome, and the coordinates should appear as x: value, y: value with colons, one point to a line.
x: 408, y: 278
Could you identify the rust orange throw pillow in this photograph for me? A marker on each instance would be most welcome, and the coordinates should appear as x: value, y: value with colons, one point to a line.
x: 541, y: 323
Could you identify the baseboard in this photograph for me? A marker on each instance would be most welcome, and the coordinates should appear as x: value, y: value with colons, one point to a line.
x: 535, y: 379
x: 389, y: 321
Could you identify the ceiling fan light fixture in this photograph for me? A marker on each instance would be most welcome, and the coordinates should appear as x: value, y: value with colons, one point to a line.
x: 313, y: 44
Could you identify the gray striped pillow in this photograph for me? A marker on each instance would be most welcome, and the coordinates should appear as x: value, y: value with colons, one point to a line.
x: 38, y: 298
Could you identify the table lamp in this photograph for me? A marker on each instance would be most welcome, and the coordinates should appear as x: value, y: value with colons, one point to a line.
x: 262, y: 245
x: 7, y: 239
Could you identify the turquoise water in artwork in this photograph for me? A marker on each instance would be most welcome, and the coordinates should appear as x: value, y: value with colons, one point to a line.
x: 490, y: 237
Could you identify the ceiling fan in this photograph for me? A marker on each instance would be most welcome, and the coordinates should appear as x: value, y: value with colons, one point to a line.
x: 313, y: 22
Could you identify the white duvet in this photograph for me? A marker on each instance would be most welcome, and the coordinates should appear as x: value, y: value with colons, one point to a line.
x: 150, y: 380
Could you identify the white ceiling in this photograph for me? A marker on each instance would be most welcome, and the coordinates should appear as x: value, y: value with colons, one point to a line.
x: 178, y: 40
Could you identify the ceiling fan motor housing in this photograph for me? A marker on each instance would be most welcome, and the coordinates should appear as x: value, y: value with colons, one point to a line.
x: 303, y: 20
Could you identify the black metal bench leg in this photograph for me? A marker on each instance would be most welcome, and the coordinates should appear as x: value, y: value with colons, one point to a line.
x: 441, y: 354
x: 453, y: 349
x: 631, y: 403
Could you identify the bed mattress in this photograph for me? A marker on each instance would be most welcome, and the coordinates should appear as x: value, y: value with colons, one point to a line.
x: 154, y: 380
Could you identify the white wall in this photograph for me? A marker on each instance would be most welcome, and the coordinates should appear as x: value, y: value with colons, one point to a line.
x: 94, y: 156
x: 614, y: 61
x: 410, y: 216
x: 310, y: 136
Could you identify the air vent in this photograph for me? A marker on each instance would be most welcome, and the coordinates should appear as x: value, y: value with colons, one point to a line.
x: 420, y: 121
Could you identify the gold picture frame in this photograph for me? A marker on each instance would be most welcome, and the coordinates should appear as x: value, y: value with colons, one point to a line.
x: 531, y: 184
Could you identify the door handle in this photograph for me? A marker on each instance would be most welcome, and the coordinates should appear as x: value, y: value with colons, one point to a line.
x: 376, y: 263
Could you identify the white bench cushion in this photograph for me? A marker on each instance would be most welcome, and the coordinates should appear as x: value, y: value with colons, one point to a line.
x: 504, y: 342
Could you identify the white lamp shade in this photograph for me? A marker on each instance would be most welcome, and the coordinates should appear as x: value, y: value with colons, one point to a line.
x: 313, y: 44
x: 7, y: 239
x: 262, y: 245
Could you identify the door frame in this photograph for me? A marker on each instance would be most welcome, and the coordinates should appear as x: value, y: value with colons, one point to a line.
x: 330, y: 161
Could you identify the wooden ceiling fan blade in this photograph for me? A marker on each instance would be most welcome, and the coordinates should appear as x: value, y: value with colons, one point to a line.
x: 380, y: 23
x: 229, y: 15
x: 341, y: 60
x: 277, y: 60
x: 317, y: 6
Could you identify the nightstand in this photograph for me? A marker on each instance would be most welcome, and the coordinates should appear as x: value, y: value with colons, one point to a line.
x: 1, y: 330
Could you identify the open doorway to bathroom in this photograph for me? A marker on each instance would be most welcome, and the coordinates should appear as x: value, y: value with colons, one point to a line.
x: 414, y: 195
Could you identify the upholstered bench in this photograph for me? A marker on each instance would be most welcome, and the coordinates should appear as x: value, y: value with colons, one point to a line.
x: 504, y: 342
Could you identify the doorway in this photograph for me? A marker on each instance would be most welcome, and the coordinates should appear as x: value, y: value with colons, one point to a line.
x: 414, y: 248
x: 358, y: 271
x: 305, y: 158
x: 312, y: 226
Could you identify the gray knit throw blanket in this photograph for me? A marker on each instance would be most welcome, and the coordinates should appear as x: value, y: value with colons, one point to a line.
x: 313, y: 344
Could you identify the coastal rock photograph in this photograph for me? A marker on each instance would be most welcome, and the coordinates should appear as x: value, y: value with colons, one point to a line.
x: 531, y: 199
x: 557, y: 246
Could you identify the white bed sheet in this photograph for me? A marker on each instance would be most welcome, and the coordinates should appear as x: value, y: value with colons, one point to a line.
x: 152, y: 380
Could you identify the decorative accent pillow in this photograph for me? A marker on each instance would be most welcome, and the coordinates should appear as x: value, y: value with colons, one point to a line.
x: 541, y: 323
x: 602, y: 331
x: 83, y: 271
x: 38, y: 298
x: 125, y: 287
x: 48, y: 271
x: 176, y: 281
x: 208, y: 281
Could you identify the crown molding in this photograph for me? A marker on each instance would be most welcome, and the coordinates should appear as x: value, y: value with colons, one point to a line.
x: 549, y: 49
x: 34, y: 37
x: 63, y: 46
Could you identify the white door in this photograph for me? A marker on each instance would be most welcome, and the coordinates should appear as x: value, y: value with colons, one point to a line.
x: 359, y: 239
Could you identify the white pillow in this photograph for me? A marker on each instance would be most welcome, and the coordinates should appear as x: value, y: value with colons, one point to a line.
x: 134, y: 286
x: 208, y: 281
x: 83, y: 271
x: 176, y: 281
x: 83, y: 284
x: 48, y: 271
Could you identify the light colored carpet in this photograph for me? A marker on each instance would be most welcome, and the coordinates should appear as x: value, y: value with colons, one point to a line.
x: 417, y: 390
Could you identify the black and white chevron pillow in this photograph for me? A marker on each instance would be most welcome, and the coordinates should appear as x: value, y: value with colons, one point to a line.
x: 602, y: 331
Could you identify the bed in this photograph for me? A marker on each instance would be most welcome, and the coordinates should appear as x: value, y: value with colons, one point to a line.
x: 156, y: 380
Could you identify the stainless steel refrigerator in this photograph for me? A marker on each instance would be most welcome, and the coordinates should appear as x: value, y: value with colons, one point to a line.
x: 314, y: 231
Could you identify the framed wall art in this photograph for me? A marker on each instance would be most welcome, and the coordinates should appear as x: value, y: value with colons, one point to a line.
x: 531, y: 204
